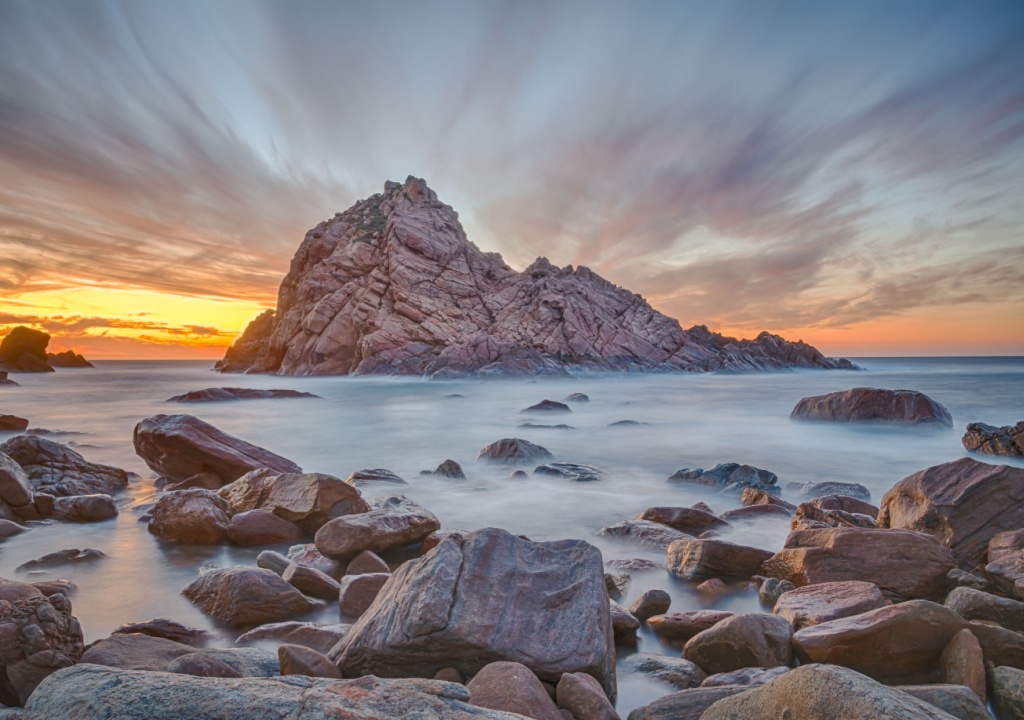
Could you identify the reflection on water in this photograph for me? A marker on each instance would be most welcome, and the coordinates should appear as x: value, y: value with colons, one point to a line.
x: 408, y: 425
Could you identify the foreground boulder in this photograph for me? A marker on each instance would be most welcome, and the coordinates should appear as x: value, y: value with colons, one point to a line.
x: 180, y: 446
x: 816, y: 604
x: 391, y: 522
x: 963, y: 503
x: 441, y: 610
x: 729, y: 476
x: 693, y: 559
x: 1007, y: 441
x: 56, y: 469
x: 743, y: 640
x: 823, y: 691
x: 191, y: 517
x: 93, y: 692
x: 902, y: 407
x: 514, y: 451
x: 38, y: 636
x: 135, y: 651
x: 242, y: 596
x: 309, y: 500
x: 902, y: 563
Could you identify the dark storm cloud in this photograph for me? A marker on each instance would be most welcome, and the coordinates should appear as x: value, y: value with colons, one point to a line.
x: 762, y: 164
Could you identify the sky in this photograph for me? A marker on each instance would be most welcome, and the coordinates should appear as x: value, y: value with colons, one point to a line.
x: 846, y: 173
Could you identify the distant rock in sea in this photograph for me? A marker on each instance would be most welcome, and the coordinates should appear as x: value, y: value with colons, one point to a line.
x: 24, y: 350
x: 901, y: 407
x: 392, y: 286
x: 225, y: 394
x: 1007, y: 440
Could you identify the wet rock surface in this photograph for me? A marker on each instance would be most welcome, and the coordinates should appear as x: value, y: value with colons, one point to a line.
x: 191, y: 517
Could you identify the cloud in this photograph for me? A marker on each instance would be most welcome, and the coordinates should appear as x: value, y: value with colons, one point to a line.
x: 76, y: 327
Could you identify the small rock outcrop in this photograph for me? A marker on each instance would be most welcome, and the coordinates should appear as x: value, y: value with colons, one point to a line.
x: 441, y: 610
x: 24, y: 350
x: 1007, y: 441
x: 901, y: 407
x: 180, y: 446
x: 224, y: 394
x: 68, y: 359
x: 729, y: 476
x: 56, y: 469
x: 393, y: 285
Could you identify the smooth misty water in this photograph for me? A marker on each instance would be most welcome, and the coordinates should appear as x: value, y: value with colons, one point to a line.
x: 408, y: 425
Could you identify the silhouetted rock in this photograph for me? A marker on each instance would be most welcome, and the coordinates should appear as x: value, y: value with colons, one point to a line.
x: 548, y: 406
x: 729, y: 476
x: 903, y: 407
x: 392, y: 285
x: 56, y: 469
x: 24, y: 350
x: 224, y: 394
x: 1007, y: 440
x: 4, y: 380
x: 179, y: 446
x: 68, y: 359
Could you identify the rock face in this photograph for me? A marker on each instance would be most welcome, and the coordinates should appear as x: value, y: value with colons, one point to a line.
x: 392, y: 285
x: 309, y: 500
x: 92, y: 692
x: 180, y: 446
x: 903, y: 407
x: 1007, y: 440
x: 56, y: 469
x: 964, y: 504
x: 902, y: 563
x: 442, y: 610
x: 391, y: 522
x: 242, y: 596
x: 226, y: 393
x: 24, y: 350
x: 68, y: 359
x: 38, y: 636
x: 729, y: 476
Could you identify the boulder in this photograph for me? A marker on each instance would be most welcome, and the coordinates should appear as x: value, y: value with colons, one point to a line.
x: 391, y: 522
x: 373, y: 476
x: 4, y: 380
x: 15, y: 590
x: 899, y: 643
x: 191, y: 517
x: 314, y: 635
x: 576, y: 397
x: 957, y: 700
x: 854, y: 491
x: 84, y: 508
x: 902, y: 563
x: 729, y: 476
x: 1006, y: 689
x: 310, y: 581
x: 616, y: 583
x: 307, y: 555
x: 576, y: 472
x: 179, y: 446
x: 649, y: 534
x: 450, y: 469
x: 971, y: 604
x: 999, y: 645
x: 678, y: 627
x: 816, y: 604
x: 261, y: 527
x: 743, y: 640
x: 71, y: 556
x: 963, y: 663
x: 809, y: 516
x: 441, y: 610
x: 902, y: 407
x: 959, y: 578
x: 273, y: 561
x: 68, y: 359
x: 846, y: 504
x: 756, y: 496
x: 368, y: 562
x: 747, y: 677
x: 549, y: 406
x: 92, y: 692
x: 134, y: 651
x: 1007, y: 573
x: 15, y: 488
x: 624, y: 625
x: 687, y: 520
x: 963, y: 503
x: 301, y: 660
x: 24, y: 350
x: 357, y: 592
x: 650, y: 603
x: 9, y: 528
x: 310, y: 500
x: 55, y: 587
x: 514, y: 451
x: 58, y: 470
x: 679, y: 673
x: 693, y: 559
x: 752, y: 513
x: 38, y: 636
x: 1007, y: 441
x: 241, y: 596
x: 823, y: 691
x: 634, y: 564
x: 226, y: 393
x: 685, y: 704
x: 168, y: 630
x: 12, y: 423
x: 583, y: 696
x: 512, y: 687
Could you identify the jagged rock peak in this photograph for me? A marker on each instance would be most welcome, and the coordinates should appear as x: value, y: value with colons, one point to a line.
x: 392, y: 285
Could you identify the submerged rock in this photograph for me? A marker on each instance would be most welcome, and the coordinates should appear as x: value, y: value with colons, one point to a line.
x: 56, y: 469
x: 63, y: 557
x: 180, y: 446
x: 729, y: 476
x: 646, y: 533
x: 902, y: 407
x: 374, y: 476
x: 677, y: 672
x: 549, y: 406
x: 168, y: 630
x: 575, y: 472
x: 224, y: 394
x: 514, y: 451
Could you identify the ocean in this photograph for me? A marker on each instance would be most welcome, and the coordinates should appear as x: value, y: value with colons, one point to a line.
x: 408, y: 424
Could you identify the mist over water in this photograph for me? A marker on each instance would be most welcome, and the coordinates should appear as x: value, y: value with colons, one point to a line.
x: 409, y: 425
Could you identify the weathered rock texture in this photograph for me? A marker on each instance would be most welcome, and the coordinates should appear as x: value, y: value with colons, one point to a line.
x: 964, y: 504
x: 445, y: 610
x: 903, y: 407
x: 309, y: 500
x: 392, y: 285
x: 38, y: 635
x: 180, y: 446
x: 1007, y: 440
x: 56, y: 469
x: 93, y: 692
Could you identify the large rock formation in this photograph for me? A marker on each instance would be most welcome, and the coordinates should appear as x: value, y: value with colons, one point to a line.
x: 392, y: 285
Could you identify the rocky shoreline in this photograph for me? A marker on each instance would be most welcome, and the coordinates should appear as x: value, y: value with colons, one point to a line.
x: 911, y: 608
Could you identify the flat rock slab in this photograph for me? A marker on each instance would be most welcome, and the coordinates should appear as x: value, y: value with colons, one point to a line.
x: 93, y: 692
x: 441, y: 610
x: 391, y: 522
x: 963, y: 503
x: 902, y: 407
x: 902, y: 563
x: 180, y: 446
x: 815, y: 604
